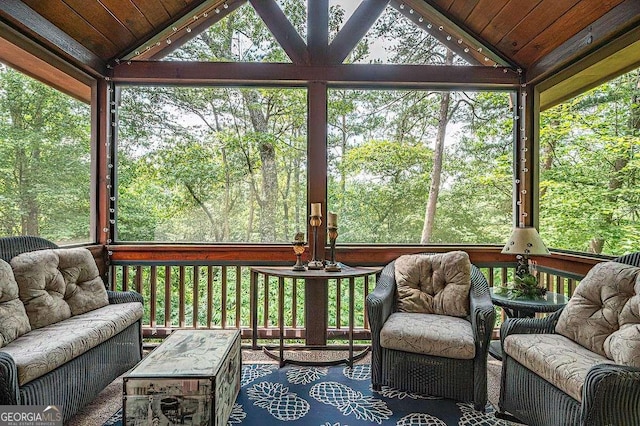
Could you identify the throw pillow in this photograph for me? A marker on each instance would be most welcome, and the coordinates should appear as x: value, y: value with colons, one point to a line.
x: 434, y: 283
x: 13, y: 318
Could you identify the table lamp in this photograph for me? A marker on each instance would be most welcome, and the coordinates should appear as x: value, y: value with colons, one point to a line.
x: 524, y: 242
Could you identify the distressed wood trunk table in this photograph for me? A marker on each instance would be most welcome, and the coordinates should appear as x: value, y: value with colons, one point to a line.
x: 192, y: 378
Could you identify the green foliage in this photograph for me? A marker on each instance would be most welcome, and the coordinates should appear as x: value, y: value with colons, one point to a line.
x: 46, y: 161
x: 589, y: 169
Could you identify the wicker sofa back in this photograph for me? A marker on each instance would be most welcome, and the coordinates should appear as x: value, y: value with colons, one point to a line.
x: 67, y: 361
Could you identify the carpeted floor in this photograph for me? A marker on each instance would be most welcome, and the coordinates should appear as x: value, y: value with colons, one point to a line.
x: 110, y: 399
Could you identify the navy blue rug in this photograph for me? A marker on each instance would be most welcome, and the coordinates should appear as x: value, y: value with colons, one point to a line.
x: 335, y: 396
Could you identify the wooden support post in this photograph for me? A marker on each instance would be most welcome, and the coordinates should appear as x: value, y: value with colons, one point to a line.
x: 316, y: 296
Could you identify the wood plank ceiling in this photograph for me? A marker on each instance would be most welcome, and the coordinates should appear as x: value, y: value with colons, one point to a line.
x: 538, y: 36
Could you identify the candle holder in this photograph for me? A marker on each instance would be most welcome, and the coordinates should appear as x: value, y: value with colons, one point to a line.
x: 315, y: 222
x: 298, y: 249
x: 332, y: 266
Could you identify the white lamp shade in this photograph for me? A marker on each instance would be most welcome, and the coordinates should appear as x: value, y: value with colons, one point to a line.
x: 525, y: 240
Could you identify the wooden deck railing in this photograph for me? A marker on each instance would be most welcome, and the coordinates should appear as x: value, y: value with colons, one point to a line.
x: 208, y: 287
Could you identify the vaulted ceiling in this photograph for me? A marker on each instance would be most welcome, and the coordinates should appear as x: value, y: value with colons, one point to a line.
x: 565, y: 46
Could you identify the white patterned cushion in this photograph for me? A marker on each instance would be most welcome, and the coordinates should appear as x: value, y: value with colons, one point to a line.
x: 13, y: 318
x: 555, y: 358
x: 44, y: 349
x: 55, y: 284
x: 605, y: 300
x: 429, y: 334
x: 434, y: 283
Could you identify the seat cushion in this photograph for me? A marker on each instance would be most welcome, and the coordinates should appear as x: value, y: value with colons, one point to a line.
x: 555, y: 358
x: 434, y: 284
x: 604, y: 301
x: 44, y: 349
x: 429, y: 334
x: 55, y: 284
x: 13, y: 318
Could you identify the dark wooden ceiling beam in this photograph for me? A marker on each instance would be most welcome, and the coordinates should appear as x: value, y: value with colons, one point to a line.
x: 429, y: 8
x: 354, y: 29
x: 36, y: 62
x: 618, y: 57
x: 197, y: 27
x: 622, y: 18
x: 156, y: 41
x: 473, y: 57
x: 354, y: 75
x: 282, y: 29
x: 28, y: 22
x: 318, y: 30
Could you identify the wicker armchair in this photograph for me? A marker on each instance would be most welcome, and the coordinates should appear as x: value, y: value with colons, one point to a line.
x: 610, y: 393
x: 460, y: 379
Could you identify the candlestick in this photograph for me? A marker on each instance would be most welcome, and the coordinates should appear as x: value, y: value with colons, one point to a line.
x: 332, y: 266
x: 315, y: 221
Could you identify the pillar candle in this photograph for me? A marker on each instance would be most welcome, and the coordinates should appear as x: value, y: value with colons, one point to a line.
x: 332, y: 219
x: 316, y: 209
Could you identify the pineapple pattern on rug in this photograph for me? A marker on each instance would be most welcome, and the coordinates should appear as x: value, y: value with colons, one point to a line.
x: 339, y: 396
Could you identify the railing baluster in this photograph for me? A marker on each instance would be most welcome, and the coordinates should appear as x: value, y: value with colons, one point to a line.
x: 138, y: 279
x: 223, y: 320
x: 364, y: 302
x: 167, y: 296
x: 181, y: 298
x: 238, y: 295
x: 209, y: 296
x: 152, y: 296
x: 196, y: 293
x: 125, y: 278
x: 294, y: 303
x: 265, y: 307
x: 338, y: 303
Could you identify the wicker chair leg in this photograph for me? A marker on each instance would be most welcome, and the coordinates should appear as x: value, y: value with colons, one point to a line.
x: 508, y: 417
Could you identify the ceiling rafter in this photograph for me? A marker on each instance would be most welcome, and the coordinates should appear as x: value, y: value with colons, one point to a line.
x: 318, y: 30
x: 611, y: 25
x: 354, y: 29
x: 283, y: 30
x: 191, y: 22
x: 23, y: 18
x: 429, y: 8
x: 472, y: 56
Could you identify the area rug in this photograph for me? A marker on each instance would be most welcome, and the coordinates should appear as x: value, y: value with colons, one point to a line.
x: 334, y: 396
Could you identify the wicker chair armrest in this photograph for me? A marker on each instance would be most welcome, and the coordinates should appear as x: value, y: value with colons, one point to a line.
x: 611, y: 395
x: 483, y: 313
x: 124, y: 297
x: 380, y: 302
x: 9, y: 393
x: 530, y: 325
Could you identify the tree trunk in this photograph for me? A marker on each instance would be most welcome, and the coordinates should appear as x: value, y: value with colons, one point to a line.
x: 438, y: 153
x: 269, y: 191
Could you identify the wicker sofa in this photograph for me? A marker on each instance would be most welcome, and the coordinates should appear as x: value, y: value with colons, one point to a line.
x: 432, y: 353
x: 54, y: 350
x: 580, y: 365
